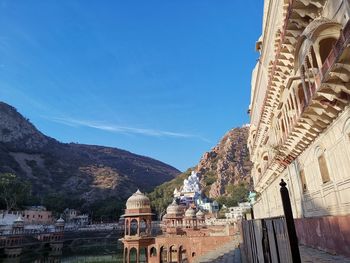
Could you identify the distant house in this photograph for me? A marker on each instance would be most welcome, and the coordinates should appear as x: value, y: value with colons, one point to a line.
x: 6, y: 220
x: 73, y: 216
x: 210, y: 207
x: 31, y: 215
x: 237, y: 212
x: 37, y: 215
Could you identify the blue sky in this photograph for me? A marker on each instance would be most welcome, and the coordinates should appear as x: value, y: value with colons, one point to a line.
x: 161, y: 78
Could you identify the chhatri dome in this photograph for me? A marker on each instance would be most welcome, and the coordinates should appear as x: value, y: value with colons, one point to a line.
x: 190, y: 212
x: 60, y: 221
x: 174, y: 209
x: 200, y: 214
x: 137, y: 201
x: 18, y: 221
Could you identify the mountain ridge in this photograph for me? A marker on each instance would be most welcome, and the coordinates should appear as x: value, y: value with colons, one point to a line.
x: 87, y: 172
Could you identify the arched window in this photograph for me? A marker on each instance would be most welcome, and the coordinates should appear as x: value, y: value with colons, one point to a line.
x: 316, y: 43
x: 173, y: 254
x: 133, y: 255
x: 143, y: 226
x: 322, y: 164
x: 143, y: 255
x: 325, y: 46
x: 153, y: 252
x: 193, y: 254
x: 259, y: 171
x: 133, y: 227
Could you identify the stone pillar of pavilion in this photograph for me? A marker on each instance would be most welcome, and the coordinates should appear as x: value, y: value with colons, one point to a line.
x: 137, y: 234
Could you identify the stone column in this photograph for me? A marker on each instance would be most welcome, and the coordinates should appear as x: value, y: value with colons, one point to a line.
x: 129, y: 226
x: 128, y: 256
x: 138, y: 226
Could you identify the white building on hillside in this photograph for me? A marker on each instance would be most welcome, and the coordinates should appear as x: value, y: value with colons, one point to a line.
x: 191, y: 194
x: 237, y: 212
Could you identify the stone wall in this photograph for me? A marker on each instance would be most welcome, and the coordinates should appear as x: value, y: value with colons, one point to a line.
x: 331, y: 233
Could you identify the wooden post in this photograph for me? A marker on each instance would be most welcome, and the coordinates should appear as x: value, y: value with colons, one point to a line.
x: 292, y: 235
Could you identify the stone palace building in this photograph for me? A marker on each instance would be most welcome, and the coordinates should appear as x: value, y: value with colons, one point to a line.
x: 300, y: 118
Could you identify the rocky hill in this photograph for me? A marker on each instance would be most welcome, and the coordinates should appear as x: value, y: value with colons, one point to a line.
x: 87, y: 172
x: 224, y: 172
x: 226, y: 164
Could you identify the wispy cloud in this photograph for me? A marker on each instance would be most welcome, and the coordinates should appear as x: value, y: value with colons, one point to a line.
x: 124, y: 129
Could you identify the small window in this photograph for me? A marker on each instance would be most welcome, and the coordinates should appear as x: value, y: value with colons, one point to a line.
x: 323, y: 168
x: 303, y: 181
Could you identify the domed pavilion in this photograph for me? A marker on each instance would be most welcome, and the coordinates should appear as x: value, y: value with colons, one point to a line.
x: 138, y: 222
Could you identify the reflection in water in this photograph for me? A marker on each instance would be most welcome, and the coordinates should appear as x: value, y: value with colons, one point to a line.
x: 87, y: 252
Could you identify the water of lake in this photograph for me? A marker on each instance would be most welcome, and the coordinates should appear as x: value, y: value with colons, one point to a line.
x: 90, y: 253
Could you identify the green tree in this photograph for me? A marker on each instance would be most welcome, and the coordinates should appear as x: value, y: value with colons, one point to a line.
x: 13, y: 191
x: 236, y: 194
x: 57, y: 202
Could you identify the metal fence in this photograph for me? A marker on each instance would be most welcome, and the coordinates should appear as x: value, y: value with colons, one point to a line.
x: 266, y: 240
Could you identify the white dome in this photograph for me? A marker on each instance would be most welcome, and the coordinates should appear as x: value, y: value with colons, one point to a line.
x: 138, y: 200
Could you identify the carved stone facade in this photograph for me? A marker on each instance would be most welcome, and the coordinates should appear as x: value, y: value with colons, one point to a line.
x: 300, y: 115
